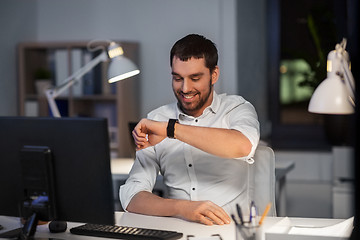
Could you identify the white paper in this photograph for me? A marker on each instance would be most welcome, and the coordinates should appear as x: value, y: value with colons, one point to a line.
x: 342, y: 229
x: 282, y: 226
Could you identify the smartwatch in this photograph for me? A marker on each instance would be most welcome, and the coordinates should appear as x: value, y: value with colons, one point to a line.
x: 171, y: 128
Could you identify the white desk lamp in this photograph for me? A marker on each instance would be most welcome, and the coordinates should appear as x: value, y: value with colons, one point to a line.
x: 336, y: 94
x: 120, y: 68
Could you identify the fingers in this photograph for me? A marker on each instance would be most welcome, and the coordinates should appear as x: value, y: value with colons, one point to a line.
x: 140, y: 139
x: 148, y: 133
x: 142, y: 146
x: 139, y: 131
x: 215, y: 214
x: 205, y: 220
x: 206, y: 212
x: 140, y: 136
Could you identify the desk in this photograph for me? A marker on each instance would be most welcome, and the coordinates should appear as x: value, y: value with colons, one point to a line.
x: 227, y: 232
x: 121, y: 167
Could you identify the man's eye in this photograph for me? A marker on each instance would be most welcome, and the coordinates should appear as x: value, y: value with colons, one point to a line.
x: 195, y: 79
x: 176, y: 78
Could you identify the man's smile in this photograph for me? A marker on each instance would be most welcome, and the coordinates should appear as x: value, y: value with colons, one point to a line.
x: 188, y: 97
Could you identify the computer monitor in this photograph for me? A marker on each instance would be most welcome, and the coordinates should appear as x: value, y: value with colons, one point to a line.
x: 80, y: 158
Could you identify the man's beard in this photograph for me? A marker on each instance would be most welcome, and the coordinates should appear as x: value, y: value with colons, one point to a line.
x: 188, y: 109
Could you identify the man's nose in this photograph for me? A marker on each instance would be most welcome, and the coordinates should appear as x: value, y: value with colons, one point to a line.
x: 186, y: 86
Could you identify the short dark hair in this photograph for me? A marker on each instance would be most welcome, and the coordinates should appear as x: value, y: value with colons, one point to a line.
x: 196, y: 46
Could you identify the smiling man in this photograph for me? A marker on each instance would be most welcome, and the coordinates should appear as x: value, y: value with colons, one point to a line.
x: 202, y: 144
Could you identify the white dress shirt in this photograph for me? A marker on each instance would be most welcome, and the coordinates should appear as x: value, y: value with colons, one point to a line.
x: 190, y: 173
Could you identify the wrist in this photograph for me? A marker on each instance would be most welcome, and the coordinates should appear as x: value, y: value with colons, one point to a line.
x: 179, y: 206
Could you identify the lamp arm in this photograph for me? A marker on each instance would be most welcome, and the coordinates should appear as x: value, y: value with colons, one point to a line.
x: 349, y: 81
x: 52, y: 93
x: 72, y: 79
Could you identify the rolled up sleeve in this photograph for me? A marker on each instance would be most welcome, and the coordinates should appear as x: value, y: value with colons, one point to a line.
x: 245, y: 120
x: 142, y: 176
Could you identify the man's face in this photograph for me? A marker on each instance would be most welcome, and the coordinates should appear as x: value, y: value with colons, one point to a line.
x: 192, y: 84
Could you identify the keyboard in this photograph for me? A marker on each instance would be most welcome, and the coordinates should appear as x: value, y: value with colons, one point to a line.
x: 123, y: 232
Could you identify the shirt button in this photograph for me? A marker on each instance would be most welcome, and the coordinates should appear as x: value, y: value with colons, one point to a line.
x: 190, y: 165
x: 196, y: 120
x: 193, y: 189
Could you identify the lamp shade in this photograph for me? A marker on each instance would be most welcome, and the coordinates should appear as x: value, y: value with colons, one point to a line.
x: 331, y: 97
x: 121, y: 68
x: 335, y: 95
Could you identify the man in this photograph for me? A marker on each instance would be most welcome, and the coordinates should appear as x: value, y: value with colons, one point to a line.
x: 201, y: 145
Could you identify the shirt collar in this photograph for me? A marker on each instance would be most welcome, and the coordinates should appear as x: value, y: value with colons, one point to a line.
x: 214, y: 108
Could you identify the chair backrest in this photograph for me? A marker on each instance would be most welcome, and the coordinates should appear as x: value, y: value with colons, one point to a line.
x: 262, y: 175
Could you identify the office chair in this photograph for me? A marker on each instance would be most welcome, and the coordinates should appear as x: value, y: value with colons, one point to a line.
x: 262, y: 179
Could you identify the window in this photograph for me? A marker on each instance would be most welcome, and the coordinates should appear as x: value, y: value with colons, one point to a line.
x: 300, y: 35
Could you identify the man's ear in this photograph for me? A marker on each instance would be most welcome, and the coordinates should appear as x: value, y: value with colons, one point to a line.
x: 215, y: 75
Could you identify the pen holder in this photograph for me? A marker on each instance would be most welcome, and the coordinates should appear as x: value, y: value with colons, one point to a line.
x: 246, y: 231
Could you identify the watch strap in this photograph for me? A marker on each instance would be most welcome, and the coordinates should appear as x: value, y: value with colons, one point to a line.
x: 170, y: 130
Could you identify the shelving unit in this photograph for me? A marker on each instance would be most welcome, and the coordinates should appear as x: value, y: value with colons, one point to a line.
x: 93, y: 97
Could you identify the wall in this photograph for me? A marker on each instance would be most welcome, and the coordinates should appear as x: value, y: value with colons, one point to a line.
x: 155, y: 24
x: 17, y: 23
x: 251, y: 54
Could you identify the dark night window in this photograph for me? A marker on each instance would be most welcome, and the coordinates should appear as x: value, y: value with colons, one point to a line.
x: 300, y: 35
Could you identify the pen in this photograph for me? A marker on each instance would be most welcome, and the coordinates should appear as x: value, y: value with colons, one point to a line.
x: 234, y: 219
x: 268, y: 206
x: 253, y: 213
x: 239, y: 212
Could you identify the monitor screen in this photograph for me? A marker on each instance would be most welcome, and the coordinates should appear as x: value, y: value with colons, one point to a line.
x: 80, y: 155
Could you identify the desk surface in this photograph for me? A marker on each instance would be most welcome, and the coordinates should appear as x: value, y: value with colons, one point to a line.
x: 227, y: 232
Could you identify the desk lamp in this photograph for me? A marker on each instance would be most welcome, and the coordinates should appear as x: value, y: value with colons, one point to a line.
x: 336, y: 94
x: 120, y: 68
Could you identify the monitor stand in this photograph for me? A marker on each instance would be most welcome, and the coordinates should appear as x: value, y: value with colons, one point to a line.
x: 11, y: 234
x: 27, y: 232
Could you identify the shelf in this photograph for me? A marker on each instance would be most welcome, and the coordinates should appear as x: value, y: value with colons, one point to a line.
x: 91, y: 97
x: 77, y: 98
